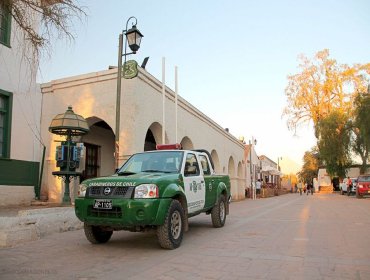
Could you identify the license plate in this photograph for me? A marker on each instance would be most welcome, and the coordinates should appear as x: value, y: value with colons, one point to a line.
x: 103, y: 204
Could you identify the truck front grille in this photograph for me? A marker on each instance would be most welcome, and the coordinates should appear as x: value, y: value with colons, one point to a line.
x: 102, y: 191
x: 115, y: 212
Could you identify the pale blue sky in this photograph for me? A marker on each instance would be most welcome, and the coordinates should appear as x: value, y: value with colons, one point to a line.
x: 233, y: 56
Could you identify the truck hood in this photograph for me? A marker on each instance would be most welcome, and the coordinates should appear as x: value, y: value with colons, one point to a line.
x: 132, y: 180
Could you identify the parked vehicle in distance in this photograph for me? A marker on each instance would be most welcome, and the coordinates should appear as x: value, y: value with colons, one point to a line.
x: 323, y: 179
x: 363, y: 185
x: 156, y: 190
x: 344, y: 186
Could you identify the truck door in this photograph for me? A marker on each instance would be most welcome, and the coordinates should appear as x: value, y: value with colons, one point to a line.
x: 209, y: 180
x: 194, y: 184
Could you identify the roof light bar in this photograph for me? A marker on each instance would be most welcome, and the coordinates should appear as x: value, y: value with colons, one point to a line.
x: 176, y: 146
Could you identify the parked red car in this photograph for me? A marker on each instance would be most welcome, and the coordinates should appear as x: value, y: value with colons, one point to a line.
x: 363, y: 185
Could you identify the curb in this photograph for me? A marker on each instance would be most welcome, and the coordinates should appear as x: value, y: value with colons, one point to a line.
x: 30, y: 225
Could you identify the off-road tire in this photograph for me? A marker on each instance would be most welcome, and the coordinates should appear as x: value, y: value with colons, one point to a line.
x: 96, y: 235
x: 218, y: 213
x: 170, y: 234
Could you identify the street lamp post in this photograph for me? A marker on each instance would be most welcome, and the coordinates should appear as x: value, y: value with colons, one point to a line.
x: 279, y: 158
x: 279, y: 180
x: 133, y: 39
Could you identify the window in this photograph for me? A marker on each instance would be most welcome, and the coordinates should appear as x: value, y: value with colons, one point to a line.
x: 205, y: 165
x: 5, y: 20
x: 91, y: 162
x: 163, y: 161
x: 5, y: 123
x: 191, y: 166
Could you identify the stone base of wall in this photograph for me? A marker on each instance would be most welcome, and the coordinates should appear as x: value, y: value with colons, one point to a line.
x: 268, y: 192
x: 237, y: 193
x: 326, y: 189
x: 16, y: 195
x: 33, y: 224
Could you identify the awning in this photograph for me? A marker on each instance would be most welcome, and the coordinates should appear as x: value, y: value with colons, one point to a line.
x: 271, y: 171
x: 276, y: 172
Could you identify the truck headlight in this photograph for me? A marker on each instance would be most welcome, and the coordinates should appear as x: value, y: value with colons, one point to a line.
x: 82, y: 190
x: 146, y: 191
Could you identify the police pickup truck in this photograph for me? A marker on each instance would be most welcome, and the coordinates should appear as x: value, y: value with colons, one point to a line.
x: 156, y: 190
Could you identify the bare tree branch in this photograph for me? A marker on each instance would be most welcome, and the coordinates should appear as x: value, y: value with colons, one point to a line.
x: 55, y: 17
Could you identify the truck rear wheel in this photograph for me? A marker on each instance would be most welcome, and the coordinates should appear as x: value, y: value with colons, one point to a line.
x: 218, y: 213
x: 171, y: 232
x: 96, y: 235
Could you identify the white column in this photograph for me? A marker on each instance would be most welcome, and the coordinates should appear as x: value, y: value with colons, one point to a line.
x: 163, y: 101
x: 176, y: 93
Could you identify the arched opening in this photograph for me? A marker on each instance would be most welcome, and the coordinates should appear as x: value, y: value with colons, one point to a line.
x: 240, y: 170
x: 186, y: 143
x: 98, y: 159
x: 233, y: 180
x: 231, y: 167
x: 241, y: 181
x: 216, y: 161
x: 153, y: 137
x: 150, y: 142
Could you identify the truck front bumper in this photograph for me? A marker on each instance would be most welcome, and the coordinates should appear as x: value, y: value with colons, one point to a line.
x: 124, y: 212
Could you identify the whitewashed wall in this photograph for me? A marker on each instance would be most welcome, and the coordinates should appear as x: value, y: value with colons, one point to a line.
x: 94, y: 95
x: 18, y: 76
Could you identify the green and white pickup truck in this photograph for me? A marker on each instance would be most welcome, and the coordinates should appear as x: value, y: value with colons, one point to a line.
x: 156, y: 190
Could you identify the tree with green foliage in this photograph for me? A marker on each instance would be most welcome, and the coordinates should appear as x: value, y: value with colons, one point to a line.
x: 334, y: 143
x: 310, y: 166
x: 361, y: 128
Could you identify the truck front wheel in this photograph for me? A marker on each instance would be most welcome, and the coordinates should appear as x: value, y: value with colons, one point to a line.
x: 171, y: 232
x: 218, y: 213
x: 96, y: 235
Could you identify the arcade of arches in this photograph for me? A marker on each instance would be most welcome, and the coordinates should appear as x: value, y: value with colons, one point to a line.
x: 99, y: 148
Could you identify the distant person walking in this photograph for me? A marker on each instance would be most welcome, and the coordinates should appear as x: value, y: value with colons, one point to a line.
x: 258, y: 187
x: 310, y: 189
x: 300, y: 187
x: 349, y: 186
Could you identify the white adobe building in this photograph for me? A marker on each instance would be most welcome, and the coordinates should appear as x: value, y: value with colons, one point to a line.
x: 20, y: 113
x: 26, y: 112
x: 270, y: 172
x: 252, y: 165
x: 93, y: 96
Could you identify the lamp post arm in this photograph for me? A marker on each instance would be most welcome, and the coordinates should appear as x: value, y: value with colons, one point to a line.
x: 132, y: 17
x: 124, y: 32
x: 126, y: 54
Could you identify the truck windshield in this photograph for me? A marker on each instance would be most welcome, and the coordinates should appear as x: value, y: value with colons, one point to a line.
x: 163, y: 161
